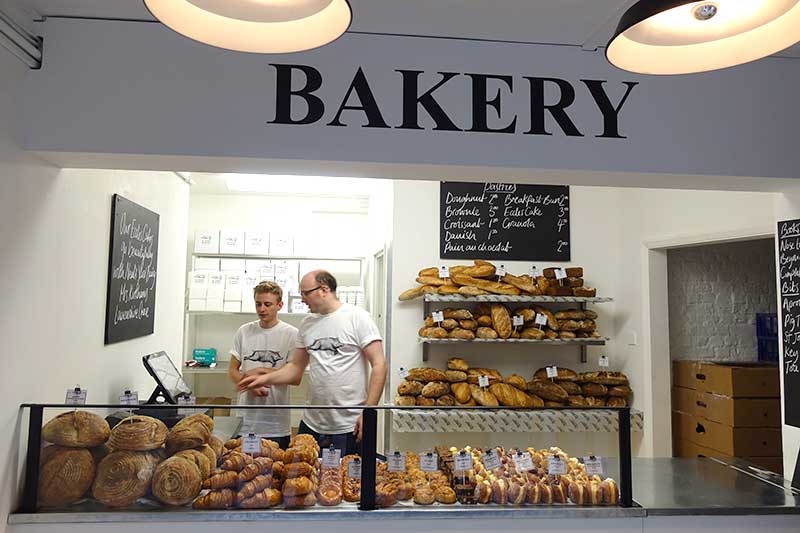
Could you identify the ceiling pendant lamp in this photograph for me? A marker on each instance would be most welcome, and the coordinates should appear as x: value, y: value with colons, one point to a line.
x: 680, y: 37
x: 257, y: 26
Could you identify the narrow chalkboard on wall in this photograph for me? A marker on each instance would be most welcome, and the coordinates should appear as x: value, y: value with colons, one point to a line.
x: 504, y: 221
x: 132, y: 264
x: 789, y: 276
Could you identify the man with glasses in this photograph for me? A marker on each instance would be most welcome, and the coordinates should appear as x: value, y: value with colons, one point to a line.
x: 337, y: 342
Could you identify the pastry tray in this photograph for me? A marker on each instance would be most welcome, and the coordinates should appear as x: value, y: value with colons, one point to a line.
x: 544, y: 342
x: 505, y: 298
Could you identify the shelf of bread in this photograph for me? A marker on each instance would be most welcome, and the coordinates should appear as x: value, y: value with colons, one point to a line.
x: 141, y: 464
x: 431, y: 297
x: 596, y: 420
x: 546, y: 342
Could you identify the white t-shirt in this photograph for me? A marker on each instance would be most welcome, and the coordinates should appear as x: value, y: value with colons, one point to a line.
x: 338, y: 370
x: 257, y: 347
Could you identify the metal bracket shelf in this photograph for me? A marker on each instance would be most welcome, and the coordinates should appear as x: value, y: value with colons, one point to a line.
x: 519, y: 299
x: 544, y: 342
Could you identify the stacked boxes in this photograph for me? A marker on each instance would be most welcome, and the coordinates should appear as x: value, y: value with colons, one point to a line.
x: 727, y: 410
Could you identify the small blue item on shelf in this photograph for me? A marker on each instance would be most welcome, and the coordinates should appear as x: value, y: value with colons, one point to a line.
x: 205, y: 356
x: 767, y: 336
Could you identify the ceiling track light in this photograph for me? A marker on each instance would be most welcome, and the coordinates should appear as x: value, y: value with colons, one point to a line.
x: 256, y: 26
x: 684, y: 37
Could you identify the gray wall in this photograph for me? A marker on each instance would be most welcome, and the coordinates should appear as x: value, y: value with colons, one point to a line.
x: 715, y: 292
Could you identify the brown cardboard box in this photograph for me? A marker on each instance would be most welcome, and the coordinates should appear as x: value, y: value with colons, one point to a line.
x: 737, y: 380
x: 739, y: 412
x: 216, y: 400
x: 685, y: 448
x: 732, y: 441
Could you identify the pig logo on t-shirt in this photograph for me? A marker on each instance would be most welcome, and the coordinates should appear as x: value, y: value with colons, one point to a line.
x: 273, y: 357
x: 328, y: 345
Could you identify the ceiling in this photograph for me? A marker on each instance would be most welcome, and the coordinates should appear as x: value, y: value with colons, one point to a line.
x: 586, y: 23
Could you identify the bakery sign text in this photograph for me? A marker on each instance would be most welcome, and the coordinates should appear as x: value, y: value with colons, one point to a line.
x: 298, y: 102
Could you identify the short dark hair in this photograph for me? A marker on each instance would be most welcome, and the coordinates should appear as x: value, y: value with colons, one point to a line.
x: 323, y: 277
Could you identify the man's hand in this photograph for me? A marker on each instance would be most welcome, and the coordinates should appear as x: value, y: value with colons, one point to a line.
x: 252, y: 382
x: 357, y: 431
x: 263, y: 391
x: 258, y: 371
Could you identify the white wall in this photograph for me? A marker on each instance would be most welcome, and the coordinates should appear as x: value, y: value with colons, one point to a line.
x: 714, y: 294
x: 609, y: 229
x: 54, y: 231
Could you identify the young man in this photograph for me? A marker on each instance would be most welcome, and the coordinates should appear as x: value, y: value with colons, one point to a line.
x: 259, y: 348
x: 338, y: 341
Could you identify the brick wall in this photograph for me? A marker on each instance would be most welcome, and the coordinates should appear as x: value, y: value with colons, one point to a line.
x: 715, y: 292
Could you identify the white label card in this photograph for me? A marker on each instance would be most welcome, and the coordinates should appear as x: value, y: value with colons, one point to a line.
x: 462, y: 461
x: 561, y: 273
x: 403, y: 372
x: 483, y: 381
x: 517, y: 320
x: 444, y: 272
x: 186, y: 400
x: 552, y: 371
x: 129, y: 398
x: 429, y: 462
x: 396, y: 462
x: 540, y: 320
x: 594, y: 465
x: 438, y: 316
x: 523, y: 461
x: 556, y: 465
x: 251, y: 443
x: 76, y: 396
x: 501, y: 271
x: 491, y: 460
x: 604, y: 360
x: 354, y: 469
x: 535, y: 272
x: 331, y: 458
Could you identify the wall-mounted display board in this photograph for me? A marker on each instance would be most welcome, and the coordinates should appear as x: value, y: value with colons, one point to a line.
x: 789, y: 272
x: 504, y: 221
x: 132, y: 265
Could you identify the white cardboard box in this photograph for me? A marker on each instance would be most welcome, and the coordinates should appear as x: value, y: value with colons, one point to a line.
x: 281, y: 244
x: 254, y: 266
x: 215, y: 304
x: 232, y: 307
x: 206, y: 241
x: 233, y: 286
x: 198, y: 293
x: 198, y: 279
x: 197, y: 304
x: 216, y: 286
x: 267, y: 273
x: 206, y: 263
x: 256, y: 242
x: 232, y: 264
x: 231, y: 241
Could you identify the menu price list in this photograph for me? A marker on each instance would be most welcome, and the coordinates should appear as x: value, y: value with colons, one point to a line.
x: 789, y: 272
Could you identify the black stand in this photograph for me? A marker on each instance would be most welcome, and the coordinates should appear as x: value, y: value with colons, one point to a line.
x: 160, y: 396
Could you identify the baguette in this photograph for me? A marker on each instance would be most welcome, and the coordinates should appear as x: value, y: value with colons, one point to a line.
x: 491, y: 286
x: 410, y: 294
x: 525, y: 283
x: 586, y: 292
x: 448, y: 289
x: 436, y: 281
x: 469, y: 290
x: 510, y: 396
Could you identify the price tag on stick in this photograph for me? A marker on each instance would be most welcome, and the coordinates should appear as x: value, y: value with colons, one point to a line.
x: 186, y: 401
x: 438, y: 316
x: 354, y: 468
x: 483, y: 381
x: 594, y: 465
x: 556, y: 466
x: 561, y: 274
x: 491, y: 459
x: 604, y: 361
x: 444, y: 272
x: 540, y: 320
x: 535, y: 272
x: 552, y: 372
x: 429, y: 462
x: 76, y: 396
x: 251, y: 443
x: 331, y: 457
x: 517, y: 320
x: 129, y: 398
x: 396, y: 462
x: 523, y: 461
x: 462, y: 461
x: 403, y: 372
x: 501, y: 271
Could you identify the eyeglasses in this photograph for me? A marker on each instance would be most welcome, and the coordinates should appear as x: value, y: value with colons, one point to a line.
x: 309, y: 291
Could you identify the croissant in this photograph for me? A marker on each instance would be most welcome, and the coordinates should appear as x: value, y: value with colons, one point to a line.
x: 262, y: 500
x: 216, y: 444
x: 249, y: 472
x: 302, y: 454
x: 221, y: 499
x: 306, y: 500
x: 264, y: 464
x: 176, y: 481
x: 297, y: 486
x: 254, y: 486
x: 278, y: 474
x: 236, y: 461
x: 77, y: 429
x: 233, y: 443
x: 294, y: 470
x: 222, y: 480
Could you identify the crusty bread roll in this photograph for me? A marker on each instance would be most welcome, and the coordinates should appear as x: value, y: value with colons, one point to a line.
x: 471, y: 325
x: 176, y: 481
x: 138, y: 433
x: 405, y: 401
x: 515, y: 380
x: 456, y: 363
x: 594, y: 389
x: 446, y: 400
x: 422, y: 401
x: 434, y: 389
x: 486, y: 332
x: 76, y: 429
x: 410, y: 388
x: 501, y: 320
x: 123, y: 477
x: 462, y: 334
x: 455, y: 376
x: 485, y: 321
x: 461, y: 391
x: 65, y: 476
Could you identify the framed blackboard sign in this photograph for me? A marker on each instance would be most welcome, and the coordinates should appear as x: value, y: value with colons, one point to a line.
x: 789, y: 274
x: 504, y: 221
x: 132, y: 263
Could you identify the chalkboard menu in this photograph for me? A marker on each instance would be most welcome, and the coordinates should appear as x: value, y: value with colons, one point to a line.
x: 504, y: 221
x: 789, y: 269
x: 132, y: 262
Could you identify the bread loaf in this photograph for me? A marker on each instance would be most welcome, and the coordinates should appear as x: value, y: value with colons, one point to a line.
x: 568, y: 325
x: 484, y: 321
x: 482, y: 269
x: 605, y: 377
x: 552, y: 323
x: 434, y: 333
x: 594, y: 389
x: 455, y: 376
x: 410, y: 294
x: 559, y: 291
x: 463, y: 334
x: 76, y: 429
x: 570, y: 314
x: 510, y: 396
x: 501, y: 321
x: 548, y: 390
x: 445, y: 400
x: 186, y: 437
x: 576, y: 400
x: 566, y: 335
x: 138, y: 433
x: 615, y: 401
x: 483, y: 397
x: 532, y: 333
x: 448, y: 289
x: 176, y: 481
x: 571, y: 387
x: 426, y: 374
x: 592, y: 401
x: 457, y: 314
x: 195, y: 420
x: 430, y: 289
x: 564, y: 374
x: 434, y: 389
x: 574, y: 282
x: 435, y: 282
x: 515, y: 380
x: 461, y: 391
x: 422, y: 401
x: 586, y: 292
x: 486, y: 333
x: 410, y: 388
x: 123, y: 477
x: 405, y: 401
x: 216, y: 445
x: 202, y: 462
x: 469, y: 290
x: 528, y: 315
x: 491, y: 286
x: 471, y: 325
x: 65, y: 476
x: 456, y: 363
x: 524, y: 283
x: 432, y: 272
x: 620, y: 391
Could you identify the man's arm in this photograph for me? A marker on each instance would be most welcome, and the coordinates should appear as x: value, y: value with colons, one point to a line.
x: 290, y: 374
x: 377, y: 379
x: 233, y: 370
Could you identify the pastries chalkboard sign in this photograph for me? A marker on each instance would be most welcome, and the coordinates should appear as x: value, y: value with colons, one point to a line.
x: 789, y: 272
x: 504, y: 221
x: 132, y: 263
